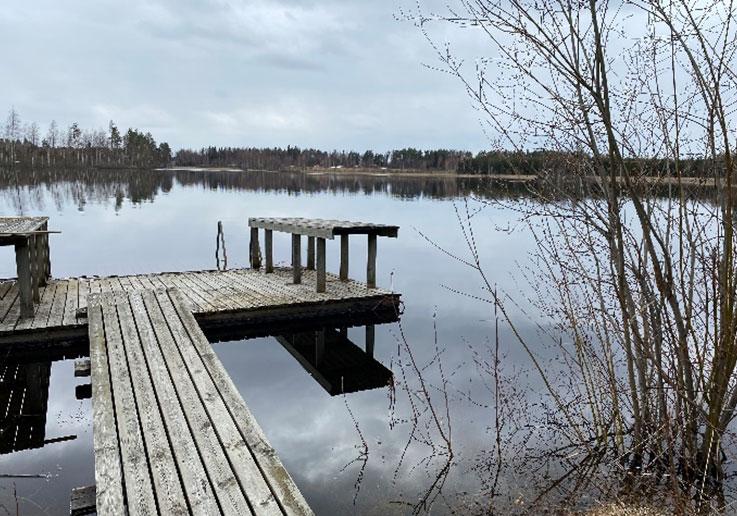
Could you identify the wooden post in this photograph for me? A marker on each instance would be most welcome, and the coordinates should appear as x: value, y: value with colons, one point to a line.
x: 297, y: 258
x: 343, y: 257
x: 371, y: 263
x: 311, y: 253
x: 321, y: 276
x: 45, y: 258
x: 370, y: 339
x: 255, y: 250
x: 269, y: 250
x: 23, y: 268
x: 35, y: 263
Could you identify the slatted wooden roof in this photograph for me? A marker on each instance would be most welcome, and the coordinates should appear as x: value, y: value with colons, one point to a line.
x: 322, y: 228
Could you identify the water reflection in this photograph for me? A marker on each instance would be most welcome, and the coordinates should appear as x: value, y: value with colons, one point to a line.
x: 110, y: 227
x: 24, y: 188
x: 336, y: 363
x: 24, y: 397
x: 24, y: 401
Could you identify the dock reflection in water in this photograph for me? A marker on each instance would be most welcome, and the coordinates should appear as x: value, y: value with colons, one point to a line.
x: 336, y: 363
x: 24, y: 398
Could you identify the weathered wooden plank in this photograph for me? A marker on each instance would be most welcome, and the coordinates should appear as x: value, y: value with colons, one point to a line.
x: 40, y: 312
x: 41, y: 318
x: 56, y: 314
x: 217, y: 293
x: 224, y: 483
x: 169, y: 493
x: 322, y: 228
x: 287, y: 493
x: 138, y: 486
x: 192, y: 289
x: 12, y: 315
x: 247, y: 471
x: 197, y: 488
x: 108, y: 467
x: 5, y: 287
x: 72, y: 302
x: 8, y: 299
x: 83, y: 286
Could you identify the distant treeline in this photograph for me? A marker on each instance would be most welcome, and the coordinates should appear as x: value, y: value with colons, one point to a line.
x: 442, y: 160
x: 538, y: 162
x: 22, y: 144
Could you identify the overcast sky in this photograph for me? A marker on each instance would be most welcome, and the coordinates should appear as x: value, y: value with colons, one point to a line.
x: 329, y: 74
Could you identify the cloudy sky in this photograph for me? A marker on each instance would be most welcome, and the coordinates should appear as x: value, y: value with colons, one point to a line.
x: 330, y: 74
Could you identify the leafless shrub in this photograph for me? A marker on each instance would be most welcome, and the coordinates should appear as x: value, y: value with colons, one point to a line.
x: 640, y: 289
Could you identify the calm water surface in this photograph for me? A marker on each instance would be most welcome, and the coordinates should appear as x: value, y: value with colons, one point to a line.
x: 365, y: 453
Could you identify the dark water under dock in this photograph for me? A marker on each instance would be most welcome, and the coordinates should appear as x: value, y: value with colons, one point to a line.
x: 342, y: 451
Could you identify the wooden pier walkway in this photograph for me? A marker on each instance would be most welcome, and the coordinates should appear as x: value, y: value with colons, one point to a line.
x: 172, y: 435
x: 241, y: 298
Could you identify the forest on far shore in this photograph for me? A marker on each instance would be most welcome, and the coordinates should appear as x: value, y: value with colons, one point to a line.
x: 23, y: 145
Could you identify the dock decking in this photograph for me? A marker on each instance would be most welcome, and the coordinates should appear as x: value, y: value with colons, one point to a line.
x: 218, y: 300
x: 172, y: 435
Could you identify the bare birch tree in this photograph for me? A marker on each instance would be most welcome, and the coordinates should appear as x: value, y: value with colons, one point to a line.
x: 640, y: 272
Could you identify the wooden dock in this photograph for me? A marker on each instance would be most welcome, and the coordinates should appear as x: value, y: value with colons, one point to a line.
x: 172, y: 434
x: 240, y: 302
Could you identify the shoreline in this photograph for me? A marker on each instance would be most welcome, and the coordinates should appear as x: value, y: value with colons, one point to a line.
x: 423, y: 174
x: 360, y: 172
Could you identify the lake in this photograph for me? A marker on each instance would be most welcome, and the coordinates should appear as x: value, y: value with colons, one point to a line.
x: 375, y: 451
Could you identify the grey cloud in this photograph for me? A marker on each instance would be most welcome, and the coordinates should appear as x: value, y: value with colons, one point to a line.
x: 225, y: 73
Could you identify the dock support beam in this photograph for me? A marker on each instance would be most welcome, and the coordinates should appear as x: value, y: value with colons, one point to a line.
x: 297, y: 259
x: 343, y: 257
x: 23, y: 267
x: 46, y: 254
x: 319, y: 346
x: 35, y: 263
x: 269, y: 250
x: 371, y: 263
x: 255, y: 250
x: 321, y: 274
x: 370, y: 339
x: 310, y: 253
